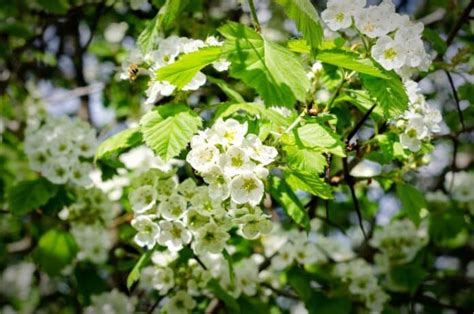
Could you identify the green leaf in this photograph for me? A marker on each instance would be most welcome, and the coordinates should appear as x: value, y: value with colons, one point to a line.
x: 56, y: 249
x: 389, y: 94
x: 55, y: 6
x: 222, y: 295
x: 303, y: 159
x: 306, y: 18
x: 29, y: 195
x: 226, y: 110
x: 436, y: 41
x: 182, y: 71
x: 275, y: 73
x: 466, y: 92
x: 308, y: 182
x: 234, y: 96
x: 413, y: 201
x: 162, y: 21
x: 169, y: 128
x: 350, y: 61
x: 146, y: 41
x: 89, y: 282
x: 406, y: 277
x: 292, y: 205
x: 134, y: 275
x: 315, y: 135
x: 445, y: 226
x: 170, y: 11
x: 299, y: 281
x: 118, y: 143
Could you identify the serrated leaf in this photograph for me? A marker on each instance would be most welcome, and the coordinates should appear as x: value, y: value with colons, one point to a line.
x: 169, y: 128
x: 306, y: 18
x: 28, y: 195
x: 308, y: 182
x: 185, y: 68
x: 170, y: 11
x: 413, y: 201
x: 314, y: 135
x: 303, y: 159
x: 135, y: 273
x: 389, y: 94
x: 275, y: 73
x: 293, y: 207
x: 56, y: 249
x: 222, y: 295
x: 350, y: 61
x: 118, y: 143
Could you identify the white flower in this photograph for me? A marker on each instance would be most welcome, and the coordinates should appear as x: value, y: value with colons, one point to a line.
x: 218, y: 183
x: 221, y: 65
x: 190, y: 45
x: 213, y: 41
x: 415, y: 131
x: 147, y: 231
x: 203, y: 157
x: 39, y: 160
x: 180, y: 303
x: 113, y: 302
x: 157, y: 89
x: 163, y: 280
x: 80, y: 173
x: 235, y: 161
x: 246, y: 275
x: 254, y: 225
x: 374, y: 21
x: 61, y: 146
x: 210, y: 238
x: 308, y: 253
x: 58, y: 172
x: 230, y: 132
x: 174, y: 235
x: 143, y: 198
x: 246, y: 188
x: 336, y: 16
x: 197, y: 81
x: 166, y: 188
x: 366, y: 169
x: 94, y: 242
x: 389, y: 53
x: 174, y: 208
x: 259, y: 152
x: 285, y: 257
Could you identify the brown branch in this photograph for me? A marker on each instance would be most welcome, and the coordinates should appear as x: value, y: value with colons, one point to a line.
x: 280, y: 292
x: 464, y: 17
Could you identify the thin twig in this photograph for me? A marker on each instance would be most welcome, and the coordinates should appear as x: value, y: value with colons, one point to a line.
x: 464, y: 17
x: 350, y: 183
x: 153, y: 306
x: 280, y: 292
x: 456, y: 98
x: 360, y: 124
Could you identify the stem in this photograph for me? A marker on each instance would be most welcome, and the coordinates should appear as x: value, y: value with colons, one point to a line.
x: 253, y: 13
x: 339, y: 88
x: 295, y: 122
x: 464, y: 17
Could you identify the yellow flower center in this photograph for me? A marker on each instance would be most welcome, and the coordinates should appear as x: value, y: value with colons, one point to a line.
x: 249, y: 185
x: 390, y: 53
x: 340, y: 17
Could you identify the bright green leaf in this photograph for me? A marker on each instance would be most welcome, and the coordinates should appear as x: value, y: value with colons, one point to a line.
x: 308, y: 182
x: 169, y: 128
x: 226, y: 110
x: 276, y: 74
x: 306, y: 18
x: 350, y: 61
x: 135, y: 273
x: 304, y: 159
x: 390, y: 94
x: 28, y: 195
x: 56, y: 249
x: 182, y: 71
x: 234, y: 96
x: 315, y: 135
x: 118, y: 143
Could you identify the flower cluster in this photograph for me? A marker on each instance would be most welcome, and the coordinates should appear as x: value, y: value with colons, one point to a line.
x: 420, y: 121
x: 61, y: 149
x: 111, y: 302
x: 398, y: 44
x: 360, y: 279
x: 460, y: 184
x: 168, y: 51
x: 398, y: 242
x: 232, y: 162
x: 89, y: 216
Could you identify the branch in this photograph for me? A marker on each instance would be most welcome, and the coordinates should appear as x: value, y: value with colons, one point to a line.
x: 456, y: 98
x: 464, y: 17
x: 279, y: 291
x: 360, y: 124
